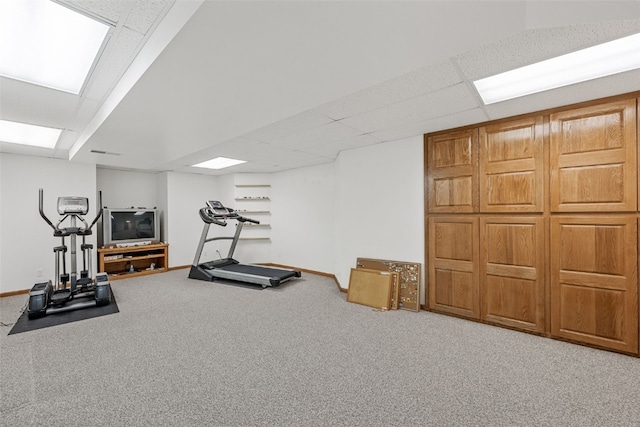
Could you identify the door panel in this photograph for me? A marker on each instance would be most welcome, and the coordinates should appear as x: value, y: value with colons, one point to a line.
x: 512, y: 166
x: 593, y: 158
x: 594, y: 290
x: 452, y: 174
x: 453, y: 264
x: 512, y: 285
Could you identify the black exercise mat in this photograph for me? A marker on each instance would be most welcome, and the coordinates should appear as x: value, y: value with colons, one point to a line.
x: 24, y: 324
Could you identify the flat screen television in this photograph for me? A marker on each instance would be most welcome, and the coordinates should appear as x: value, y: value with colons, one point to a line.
x: 130, y: 226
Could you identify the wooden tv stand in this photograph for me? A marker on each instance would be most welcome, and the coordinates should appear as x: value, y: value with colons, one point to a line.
x: 117, y: 262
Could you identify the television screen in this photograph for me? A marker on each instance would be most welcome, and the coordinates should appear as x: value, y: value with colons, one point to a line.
x: 130, y: 225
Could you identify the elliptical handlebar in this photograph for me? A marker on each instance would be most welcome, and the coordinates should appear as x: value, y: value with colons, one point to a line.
x: 42, y: 214
x: 99, y: 210
x: 56, y: 228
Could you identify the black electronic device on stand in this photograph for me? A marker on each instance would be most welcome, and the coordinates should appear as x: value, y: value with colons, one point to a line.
x: 82, y: 290
x: 228, y: 268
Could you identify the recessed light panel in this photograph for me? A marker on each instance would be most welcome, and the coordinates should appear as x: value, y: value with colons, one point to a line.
x: 219, y: 163
x: 602, y: 60
x: 44, y: 43
x: 24, y: 134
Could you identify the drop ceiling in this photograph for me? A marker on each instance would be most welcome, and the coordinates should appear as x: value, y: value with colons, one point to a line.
x: 285, y: 84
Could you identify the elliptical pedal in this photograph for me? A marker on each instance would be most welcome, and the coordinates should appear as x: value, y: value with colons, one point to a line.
x: 61, y: 297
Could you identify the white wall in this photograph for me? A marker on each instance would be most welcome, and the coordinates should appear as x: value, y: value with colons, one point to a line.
x: 27, y: 242
x: 163, y: 203
x: 368, y: 203
x: 186, y: 194
x: 126, y: 189
x: 2, y: 178
x: 379, y: 205
x: 303, y: 210
x: 247, y: 250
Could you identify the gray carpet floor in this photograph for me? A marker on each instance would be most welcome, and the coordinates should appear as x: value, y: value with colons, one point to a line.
x: 187, y: 353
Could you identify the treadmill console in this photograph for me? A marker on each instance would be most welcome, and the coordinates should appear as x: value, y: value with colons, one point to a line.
x: 217, y: 207
x: 73, y: 205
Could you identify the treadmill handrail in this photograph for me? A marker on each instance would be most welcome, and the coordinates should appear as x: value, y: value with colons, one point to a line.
x: 234, y: 215
x: 205, y: 215
x: 245, y: 219
x: 209, y: 216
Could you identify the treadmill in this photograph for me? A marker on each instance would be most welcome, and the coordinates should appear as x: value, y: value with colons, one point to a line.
x: 228, y: 268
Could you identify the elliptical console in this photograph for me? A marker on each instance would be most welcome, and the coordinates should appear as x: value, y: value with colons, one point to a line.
x: 82, y: 292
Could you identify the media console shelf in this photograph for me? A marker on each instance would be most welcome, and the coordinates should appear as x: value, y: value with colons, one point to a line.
x: 117, y: 262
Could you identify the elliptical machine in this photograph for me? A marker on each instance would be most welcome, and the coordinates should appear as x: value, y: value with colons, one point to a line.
x: 83, y: 292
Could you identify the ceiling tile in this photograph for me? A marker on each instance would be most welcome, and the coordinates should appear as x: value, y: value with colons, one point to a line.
x: 332, y: 149
x: 261, y: 152
x: 291, y: 125
x: 423, y: 80
x: 267, y: 157
x: 593, y: 89
x: 457, y: 119
x: 145, y: 14
x: 435, y: 104
x: 537, y: 45
x: 112, y: 10
x: 329, y: 132
x: 38, y: 105
x: 84, y: 113
x: 251, y: 168
x: 66, y: 140
x: 566, y: 12
x: 118, y: 54
x: 249, y: 64
x: 244, y: 149
x: 26, y: 150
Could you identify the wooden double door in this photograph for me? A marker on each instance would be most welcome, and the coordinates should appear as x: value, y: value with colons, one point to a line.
x: 533, y: 223
x: 489, y: 268
x: 579, y: 284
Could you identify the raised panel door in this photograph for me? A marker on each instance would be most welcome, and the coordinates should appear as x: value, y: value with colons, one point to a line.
x: 594, y: 289
x: 593, y: 158
x: 452, y: 175
x: 453, y: 265
x: 512, y: 168
x: 512, y: 285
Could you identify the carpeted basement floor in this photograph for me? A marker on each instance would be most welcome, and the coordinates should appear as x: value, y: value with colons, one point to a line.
x: 187, y: 353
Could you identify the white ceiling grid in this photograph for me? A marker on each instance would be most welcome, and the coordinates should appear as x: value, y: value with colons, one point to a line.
x: 115, y: 59
x: 539, y: 44
x: 34, y: 104
x: 110, y: 11
x: 222, y: 108
x: 441, y: 96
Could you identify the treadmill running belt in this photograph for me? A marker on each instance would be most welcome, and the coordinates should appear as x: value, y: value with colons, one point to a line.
x: 260, y: 271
